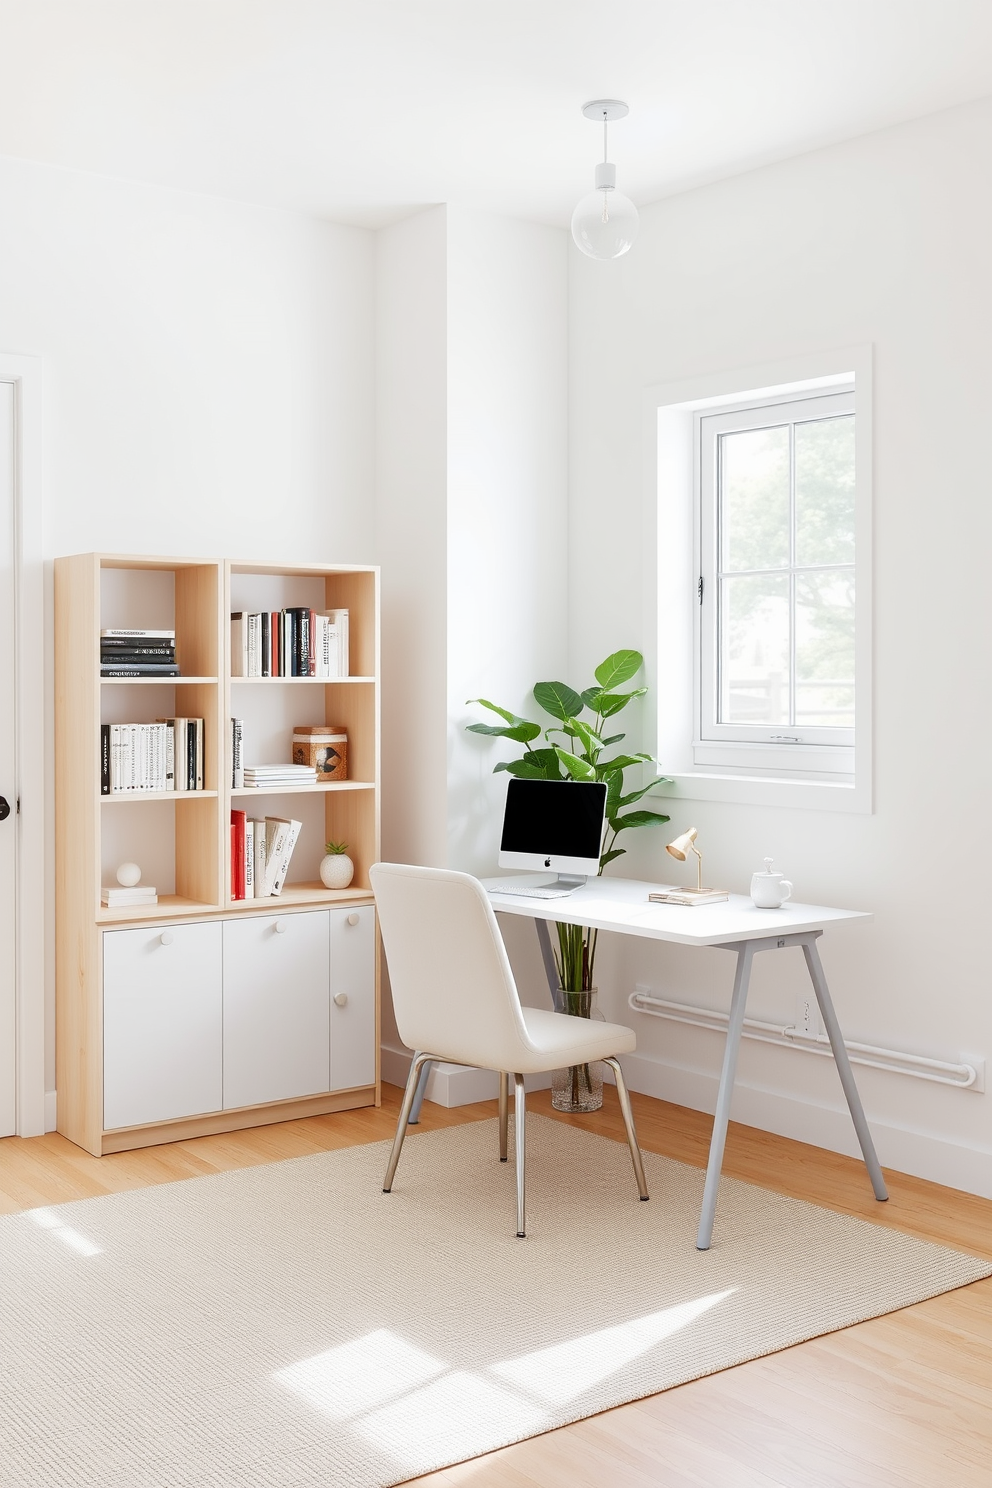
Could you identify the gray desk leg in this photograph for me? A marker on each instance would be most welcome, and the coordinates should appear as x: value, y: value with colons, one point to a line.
x: 718, y: 1141
x: 418, y: 1099
x: 550, y: 968
x: 844, y: 1068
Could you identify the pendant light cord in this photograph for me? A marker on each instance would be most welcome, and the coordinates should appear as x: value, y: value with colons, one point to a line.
x: 605, y: 152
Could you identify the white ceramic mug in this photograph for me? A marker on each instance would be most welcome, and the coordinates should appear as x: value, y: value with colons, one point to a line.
x: 769, y: 890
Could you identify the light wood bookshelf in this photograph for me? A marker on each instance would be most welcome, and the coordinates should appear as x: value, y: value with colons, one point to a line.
x: 182, y: 839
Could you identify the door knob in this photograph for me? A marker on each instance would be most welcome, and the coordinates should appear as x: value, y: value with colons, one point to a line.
x: 166, y: 937
x: 352, y: 919
x: 280, y: 927
x: 4, y: 808
x: 341, y: 999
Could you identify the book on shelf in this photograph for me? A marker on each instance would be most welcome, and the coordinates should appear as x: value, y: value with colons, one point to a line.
x: 258, y: 776
x: 237, y: 757
x: 280, y: 844
x: 186, y: 748
x: 136, y: 757
x: 113, y: 896
x: 260, y: 854
x: 139, y: 636
x: 293, y: 642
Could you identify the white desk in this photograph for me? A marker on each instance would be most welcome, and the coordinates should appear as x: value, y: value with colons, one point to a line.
x: 621, y: 904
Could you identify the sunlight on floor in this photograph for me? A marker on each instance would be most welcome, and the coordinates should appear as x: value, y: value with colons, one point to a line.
x: 565, y: 1370
x: 48, y: 1220
x: 394, y: 1393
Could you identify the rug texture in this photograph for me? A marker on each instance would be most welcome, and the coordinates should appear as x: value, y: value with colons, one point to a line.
x: 291, y: 1326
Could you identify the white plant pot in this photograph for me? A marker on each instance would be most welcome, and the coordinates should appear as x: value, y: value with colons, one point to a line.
x: 336, y: 870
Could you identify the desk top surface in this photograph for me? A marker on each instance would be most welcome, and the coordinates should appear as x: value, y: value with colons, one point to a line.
x: 622, y: 904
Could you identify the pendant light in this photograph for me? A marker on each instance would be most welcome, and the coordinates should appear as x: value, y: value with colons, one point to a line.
x: 605, y: 223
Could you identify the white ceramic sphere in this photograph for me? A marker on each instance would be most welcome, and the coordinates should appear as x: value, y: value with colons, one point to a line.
x: 129, y: 874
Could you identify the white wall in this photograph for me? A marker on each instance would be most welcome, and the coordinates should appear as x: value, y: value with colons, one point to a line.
x: 883, y: 240
x: 207, y: 376
x: 472, y: 503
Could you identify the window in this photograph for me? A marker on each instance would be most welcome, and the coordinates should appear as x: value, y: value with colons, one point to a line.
x: 776, y: 631
x: 760, y: 559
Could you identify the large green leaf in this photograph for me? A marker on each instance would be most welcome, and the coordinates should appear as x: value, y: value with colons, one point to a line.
x: 637, y: 819
x: 637, y: 794
x: 558, y: 699
x: 495, y: 708
x: 613, y: 739
x: 589, y: 736
x: 618, y: 668
x: 607, y: 703
x: 614, y: 788
x: 523, y: 771
x: 590, y: 694
x: 616, y: 852
x: 521, y: 732
x: 579, y: 769
x: 621, y: 762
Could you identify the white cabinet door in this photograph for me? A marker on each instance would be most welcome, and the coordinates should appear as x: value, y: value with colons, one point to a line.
x: 353, y: 1029
x: 275, y: 1008
x: 161, y: 1023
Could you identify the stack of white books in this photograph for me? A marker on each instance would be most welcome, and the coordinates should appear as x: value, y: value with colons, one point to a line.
x: 261, y: 776
x: 115, y: 896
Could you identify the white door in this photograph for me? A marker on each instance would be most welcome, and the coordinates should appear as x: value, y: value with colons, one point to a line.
x: 352, y: 997
x: 275, y: 1008
x: 8, y: 788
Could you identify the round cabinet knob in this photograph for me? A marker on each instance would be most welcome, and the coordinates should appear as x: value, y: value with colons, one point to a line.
x: 341, y: 1000
x: 353, y: 919
x: 166, y: 938
x: 280, y: 927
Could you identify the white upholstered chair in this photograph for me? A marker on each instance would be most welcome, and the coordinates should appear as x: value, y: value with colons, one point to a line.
x: 455, y: 999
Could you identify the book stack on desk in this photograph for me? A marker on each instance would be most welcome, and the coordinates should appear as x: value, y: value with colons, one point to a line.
x: 688, y: 896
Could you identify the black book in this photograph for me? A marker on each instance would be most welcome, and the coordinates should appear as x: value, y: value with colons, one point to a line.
x: 105, y: 759
x: 289, y: 620
x: 140, y: 669
x: 130, y: 642
x: 266, y: 643
x: 127, y: 654
x: 191, y: 753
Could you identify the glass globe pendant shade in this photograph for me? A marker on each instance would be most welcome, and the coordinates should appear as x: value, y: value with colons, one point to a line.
x: 605, y: 223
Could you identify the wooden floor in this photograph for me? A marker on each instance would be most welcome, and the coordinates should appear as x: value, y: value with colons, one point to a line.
x: 901, y: 1402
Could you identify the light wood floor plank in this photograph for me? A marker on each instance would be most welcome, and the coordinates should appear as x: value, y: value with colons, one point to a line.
x: 904, y: 1401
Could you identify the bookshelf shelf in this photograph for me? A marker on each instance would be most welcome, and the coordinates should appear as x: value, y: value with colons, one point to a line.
x: 118, y: 798
x: 158, y: 681
x: 182, y: 843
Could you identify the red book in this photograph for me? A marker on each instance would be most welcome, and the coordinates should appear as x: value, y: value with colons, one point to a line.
x: 238, y: 820
x: 275, y: 633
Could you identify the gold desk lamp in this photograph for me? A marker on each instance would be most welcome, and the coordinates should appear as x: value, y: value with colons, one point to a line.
x: 680, y: 849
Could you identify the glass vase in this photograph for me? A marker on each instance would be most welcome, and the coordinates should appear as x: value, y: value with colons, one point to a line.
x: 580, y: 1087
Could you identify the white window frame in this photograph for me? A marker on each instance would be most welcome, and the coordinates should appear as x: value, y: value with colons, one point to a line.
x: 822, y: 752
x: 758, y: 773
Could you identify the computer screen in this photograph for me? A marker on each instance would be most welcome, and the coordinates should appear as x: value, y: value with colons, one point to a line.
x: 553, y: 824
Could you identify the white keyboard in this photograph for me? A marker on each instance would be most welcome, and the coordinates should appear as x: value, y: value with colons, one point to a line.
x: 532, y: 891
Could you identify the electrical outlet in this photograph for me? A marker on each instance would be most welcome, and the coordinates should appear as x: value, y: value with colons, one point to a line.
x: 808, y: 1015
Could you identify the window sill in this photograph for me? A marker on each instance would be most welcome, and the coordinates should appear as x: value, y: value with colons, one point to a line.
x: 750, y: 790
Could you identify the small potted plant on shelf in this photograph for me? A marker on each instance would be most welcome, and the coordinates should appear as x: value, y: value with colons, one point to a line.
x: 336, y: 868
x: 574, y: 748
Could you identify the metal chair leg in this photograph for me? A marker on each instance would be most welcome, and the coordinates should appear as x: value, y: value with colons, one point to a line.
x: 519, y: 1132
x: 504, y: 1089
x: 628, y: 1121
x: 417, y: 1064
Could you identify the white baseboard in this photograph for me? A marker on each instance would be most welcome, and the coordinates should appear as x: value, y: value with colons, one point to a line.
x: 934, y: 1158
x: 51, y: 1110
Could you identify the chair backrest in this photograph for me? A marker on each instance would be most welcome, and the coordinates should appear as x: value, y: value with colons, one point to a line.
x: 453, y: 990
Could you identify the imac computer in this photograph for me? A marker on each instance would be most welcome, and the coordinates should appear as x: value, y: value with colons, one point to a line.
x: 553, y: 824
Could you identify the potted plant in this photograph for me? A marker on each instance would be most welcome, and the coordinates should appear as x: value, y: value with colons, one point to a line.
x: 574, y: 747
x: 336, y: 868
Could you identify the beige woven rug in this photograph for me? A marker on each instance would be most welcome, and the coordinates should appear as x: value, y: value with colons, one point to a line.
x: 290, y: 1326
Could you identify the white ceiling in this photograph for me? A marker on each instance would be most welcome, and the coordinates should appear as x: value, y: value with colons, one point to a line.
x: 362, y: 110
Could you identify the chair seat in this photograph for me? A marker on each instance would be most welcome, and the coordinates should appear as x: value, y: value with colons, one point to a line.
x: 559, y: 1040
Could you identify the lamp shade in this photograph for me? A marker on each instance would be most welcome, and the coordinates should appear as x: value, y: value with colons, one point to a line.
x: 682, y: 846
